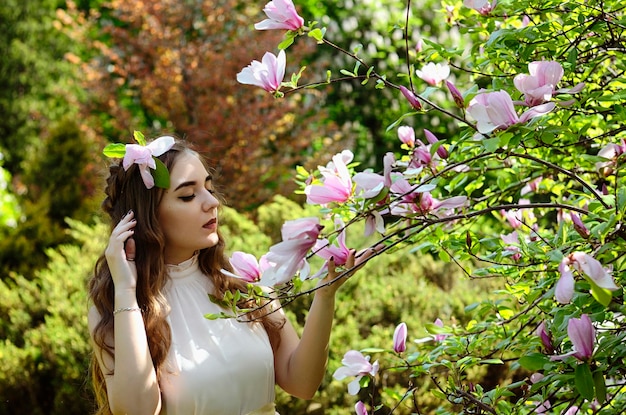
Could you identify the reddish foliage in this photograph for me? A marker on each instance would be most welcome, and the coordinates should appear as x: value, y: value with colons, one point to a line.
x: 175, y: 63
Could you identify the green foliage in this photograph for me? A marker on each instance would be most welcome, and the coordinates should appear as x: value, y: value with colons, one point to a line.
x: 373, y: 30
x: 241, y: 233
x: 44, y: 345
x: 538, y: 204
x: 34, y: 76
x: 37, y: 93
x: 62, y: 178
x: 9, y: 208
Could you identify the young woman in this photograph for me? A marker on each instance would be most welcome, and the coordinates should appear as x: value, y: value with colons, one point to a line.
x: 155, y: 352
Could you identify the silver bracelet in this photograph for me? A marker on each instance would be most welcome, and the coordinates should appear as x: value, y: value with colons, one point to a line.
x: 119, y: 310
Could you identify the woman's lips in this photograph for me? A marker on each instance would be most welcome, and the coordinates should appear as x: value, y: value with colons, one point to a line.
x: 210, y: 224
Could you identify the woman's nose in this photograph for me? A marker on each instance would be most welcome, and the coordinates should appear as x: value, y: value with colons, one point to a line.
x: 210, y: 201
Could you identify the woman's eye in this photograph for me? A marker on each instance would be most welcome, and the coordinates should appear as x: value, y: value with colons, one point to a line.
x: 187, y: 198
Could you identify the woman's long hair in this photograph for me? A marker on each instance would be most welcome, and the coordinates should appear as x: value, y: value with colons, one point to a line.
x: 126, y: 191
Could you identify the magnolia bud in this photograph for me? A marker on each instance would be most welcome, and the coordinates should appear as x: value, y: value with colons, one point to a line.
x: 456, y: 95
x: 410, y: 96
x: 432, y: 139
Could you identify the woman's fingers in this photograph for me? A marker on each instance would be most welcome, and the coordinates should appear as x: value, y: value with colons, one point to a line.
x: 129, y: 247
x: 119, y: 242
x: 121, y: 252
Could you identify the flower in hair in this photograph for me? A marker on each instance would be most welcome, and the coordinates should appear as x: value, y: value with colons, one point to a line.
x: 153, y: 171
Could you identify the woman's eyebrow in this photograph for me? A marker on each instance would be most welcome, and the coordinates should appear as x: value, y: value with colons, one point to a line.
x: 192, y: 182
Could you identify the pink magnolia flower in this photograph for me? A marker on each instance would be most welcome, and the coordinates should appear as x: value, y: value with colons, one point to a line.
x: 143, y: 157
x: 339, y: 252
x: 399, y: 338
x: 512, y: 241
x: 571, y: 411
x: 586, y: 264
x: 417, y: 200
x: 439, y: 337
x: 494, y: 110
x: 483, y: 7
x: 267, y: 74
x: 406, y: 134
x: 456, y: 95
x: 360, y: 408
x: 374, y: 222
x: 545, y: 337
x: 281, y: 14
x: 429, y: 204
x: 540, y: 84
x: 543, y: 407
x: 369, y: 184
x: 421, y: 157
x: 434, y: 73
x: 579, y: 226
x: 536, y: 377
x: 432, y: 139
x: 611, y: 152
x: 591, y: 267
x: 245, y: 266
x: 410, y: 96
x: 337, y: 183
x: 583, y: 337
x: 355, y: 364
x: 288, y: 256
x: 564, y: 290
x: 531, y: 186
x: 514, y: 217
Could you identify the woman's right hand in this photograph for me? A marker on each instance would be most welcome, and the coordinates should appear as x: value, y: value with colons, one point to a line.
x: 120, y: 253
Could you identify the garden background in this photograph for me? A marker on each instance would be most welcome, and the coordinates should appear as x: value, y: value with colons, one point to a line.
x: 78, y: 75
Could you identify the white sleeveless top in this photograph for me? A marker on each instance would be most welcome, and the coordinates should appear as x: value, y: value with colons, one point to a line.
x: 214, y: 367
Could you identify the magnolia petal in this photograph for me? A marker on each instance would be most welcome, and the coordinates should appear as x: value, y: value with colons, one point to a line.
x: 355, y: 386
x: 452, y: 202
x: 399, y: 338
x: 594, y: 270
x: 583, y: 336
x: 161, y: 145
x: 564, y: 290
x: 537, y: 111
x: 360, y: 408
x: 147, y: 178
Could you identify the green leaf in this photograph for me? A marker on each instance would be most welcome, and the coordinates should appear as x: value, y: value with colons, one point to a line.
x: 432, y: 328
x: 372, y: 350
x: 317, y: 34
x: 115, y: 151
x: 533, y: 361
x: 584, y: 381
x: 443, y: 255
x: 491, y: 144
x: 161, y: 175
x: 286, y: 42
x: 139, y: 138
x: 602, y: 295
x: 600, y: 385
x: 491, y: 362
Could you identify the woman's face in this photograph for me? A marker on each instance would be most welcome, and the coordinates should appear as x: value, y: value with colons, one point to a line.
x: 188, y: 211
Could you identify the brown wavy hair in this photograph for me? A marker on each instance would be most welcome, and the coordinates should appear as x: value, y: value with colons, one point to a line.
x: 126, y: 191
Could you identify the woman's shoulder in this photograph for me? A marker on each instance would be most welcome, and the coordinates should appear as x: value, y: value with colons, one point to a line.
x: 93, y: 318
